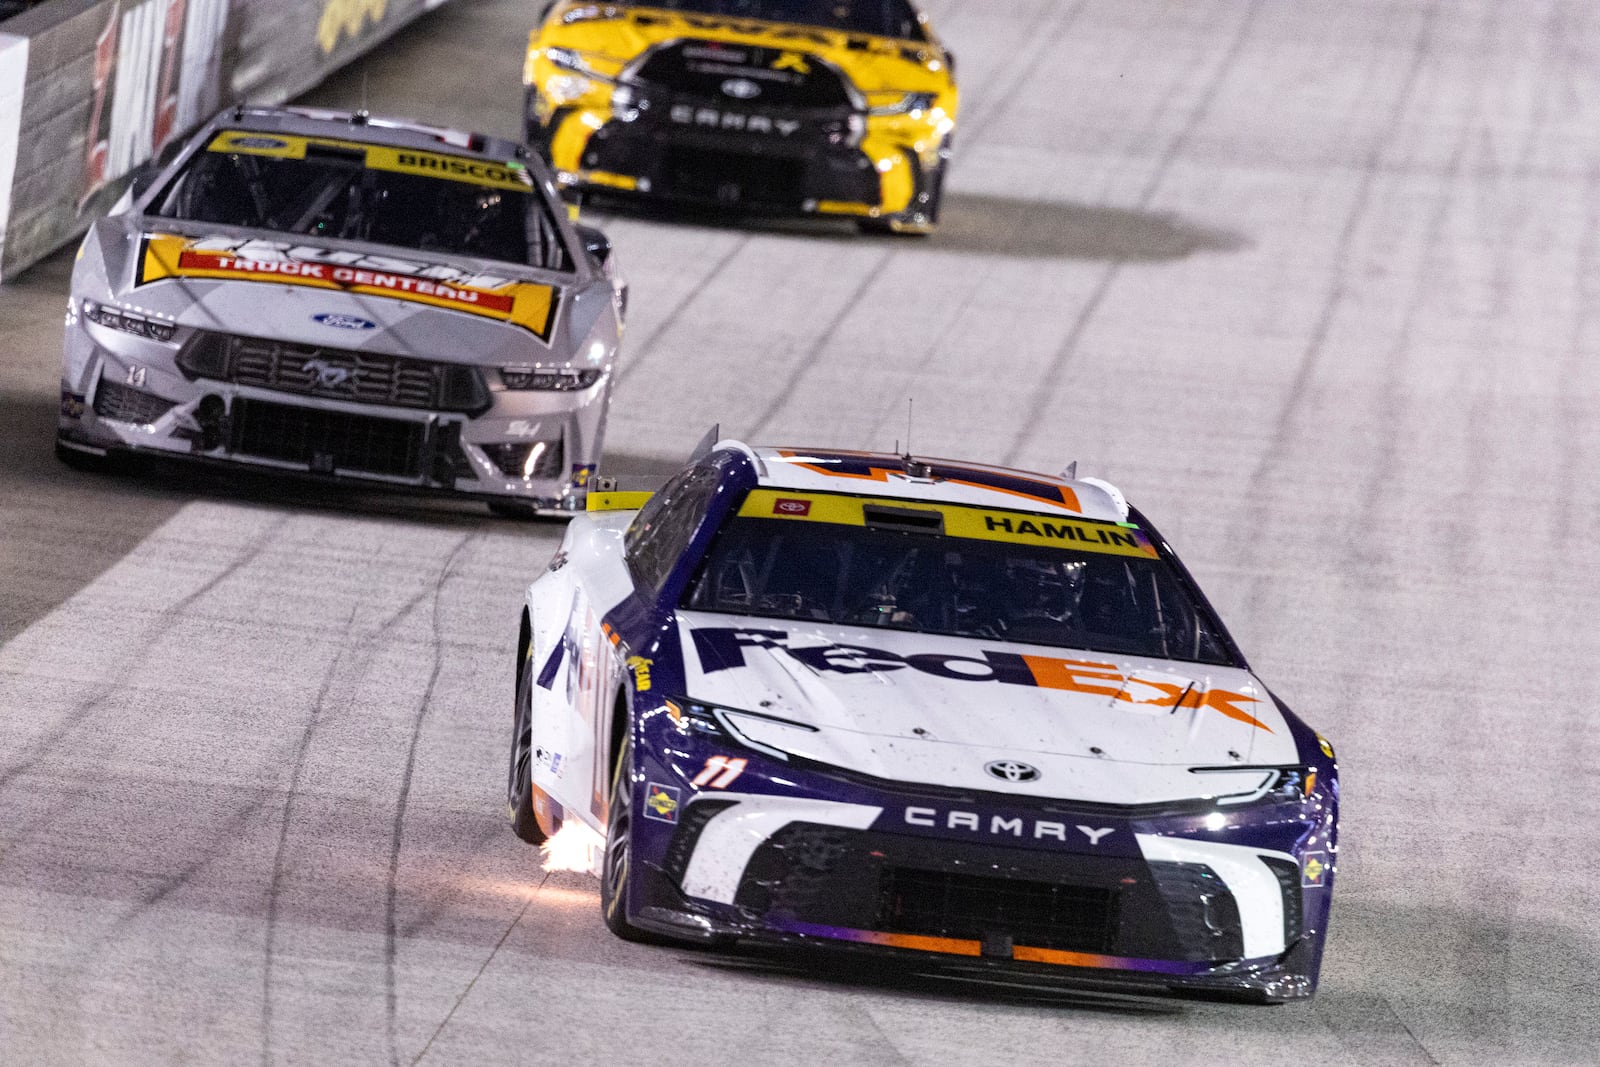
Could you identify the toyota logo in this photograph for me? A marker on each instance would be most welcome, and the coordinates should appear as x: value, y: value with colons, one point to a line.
x: 328, y: 376
x: 741, y: 89
x: 1009, y: 770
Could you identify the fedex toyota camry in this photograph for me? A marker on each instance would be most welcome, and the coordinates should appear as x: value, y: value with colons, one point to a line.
x: 838, y: 108
x: 349, y: 297
x: 968, y: 715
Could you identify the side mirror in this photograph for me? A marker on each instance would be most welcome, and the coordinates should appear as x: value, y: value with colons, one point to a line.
x: 595, y: 242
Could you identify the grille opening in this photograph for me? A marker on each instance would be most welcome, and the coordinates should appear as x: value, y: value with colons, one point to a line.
x: 734, y: 178
x: 336, y: 373
x: 327, y: 442
x: 1288, y: 875
x: 124, y: 403
x: 1205, y: 917
x: 973, y: 907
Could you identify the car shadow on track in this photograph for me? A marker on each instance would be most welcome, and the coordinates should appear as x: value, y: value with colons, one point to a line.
x: 986, y: 225
x: 838, y: 970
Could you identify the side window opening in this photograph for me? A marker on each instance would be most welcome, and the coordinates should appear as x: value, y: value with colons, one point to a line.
x: 665, y: 526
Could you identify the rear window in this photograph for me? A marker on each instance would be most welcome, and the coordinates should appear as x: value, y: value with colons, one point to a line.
x: 957, y: 571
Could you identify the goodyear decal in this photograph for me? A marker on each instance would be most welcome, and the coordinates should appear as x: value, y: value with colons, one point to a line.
x: 960, y: 520
x: 466, y: 169
x: 526, y: 304
x: 723, y: 649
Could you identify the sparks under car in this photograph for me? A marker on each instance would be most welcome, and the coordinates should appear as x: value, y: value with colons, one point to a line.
x: 368, y: 300
x: 841, y: 108
x: 968, y: 715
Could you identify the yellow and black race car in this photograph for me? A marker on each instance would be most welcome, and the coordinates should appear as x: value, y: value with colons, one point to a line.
x: 788, y: 107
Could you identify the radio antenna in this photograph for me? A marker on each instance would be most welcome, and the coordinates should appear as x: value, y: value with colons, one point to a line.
x: 910, y: 409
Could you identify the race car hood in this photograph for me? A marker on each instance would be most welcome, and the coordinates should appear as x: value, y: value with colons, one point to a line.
x: 918, y: 708
x: 618, y: 35
x: 341, y: 295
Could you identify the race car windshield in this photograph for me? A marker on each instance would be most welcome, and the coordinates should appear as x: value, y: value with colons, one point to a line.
x: 334, y: 194
x: 960, y: 587
x: 881, y: 18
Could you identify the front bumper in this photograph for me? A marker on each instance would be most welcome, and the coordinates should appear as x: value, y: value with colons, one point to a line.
x: 1164, y: 902
x: 122, y: 393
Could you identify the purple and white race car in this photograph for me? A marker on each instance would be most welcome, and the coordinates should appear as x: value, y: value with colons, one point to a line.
x: 975, y: 717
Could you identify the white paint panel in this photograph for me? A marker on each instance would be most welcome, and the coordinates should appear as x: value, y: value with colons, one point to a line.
x: 732, y: 837
x: 13, y: 76
x: 1254, y: 886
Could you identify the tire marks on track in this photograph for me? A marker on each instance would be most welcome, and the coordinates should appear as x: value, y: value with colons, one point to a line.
x: 1043, y: 397
x: 84, y: 713
x: 397, y: 825
x: 1372, y: 169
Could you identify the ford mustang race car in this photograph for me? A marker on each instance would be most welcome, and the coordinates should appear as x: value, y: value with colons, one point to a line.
x: 342, y: 296
x: 971, y: 716
x: 793, y: 107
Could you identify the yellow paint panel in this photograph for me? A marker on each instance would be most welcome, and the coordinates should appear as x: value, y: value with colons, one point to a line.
x: 618, y: 501
x: 971, y: 523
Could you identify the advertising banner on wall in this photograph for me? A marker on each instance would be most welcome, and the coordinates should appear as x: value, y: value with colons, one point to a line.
x: 105, y: 85
x: 13, y: 68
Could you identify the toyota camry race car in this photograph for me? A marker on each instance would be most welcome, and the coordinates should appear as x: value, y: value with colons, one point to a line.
x: 973, y: 716
x: 792, y: 107
x: 343, y: 296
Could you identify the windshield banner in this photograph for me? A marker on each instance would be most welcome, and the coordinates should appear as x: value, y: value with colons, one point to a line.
x: 958, y: 520
x: 472, y: 171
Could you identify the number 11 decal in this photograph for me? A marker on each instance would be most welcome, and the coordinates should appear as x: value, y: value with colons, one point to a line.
x: 719, y: 772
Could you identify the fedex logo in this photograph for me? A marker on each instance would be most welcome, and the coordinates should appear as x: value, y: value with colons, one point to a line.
x: 724, y: 648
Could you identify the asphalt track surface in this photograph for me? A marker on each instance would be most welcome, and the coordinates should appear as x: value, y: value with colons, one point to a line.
x: 1318, y: 283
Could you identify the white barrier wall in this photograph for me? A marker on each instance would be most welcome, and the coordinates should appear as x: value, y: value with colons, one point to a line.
x: 91, y: 90
x: 13, y: 69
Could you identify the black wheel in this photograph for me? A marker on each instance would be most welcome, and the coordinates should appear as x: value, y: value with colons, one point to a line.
x: 618, y: 863
x: 519, y: 780
x: 83, y: 461
x: 512, y: 509
x: 535, y: 133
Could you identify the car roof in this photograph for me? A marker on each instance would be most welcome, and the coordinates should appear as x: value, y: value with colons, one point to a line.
x: 369, y: 129
x: 935, y: 480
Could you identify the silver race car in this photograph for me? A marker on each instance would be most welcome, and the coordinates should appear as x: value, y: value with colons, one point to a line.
x: 335, y: 295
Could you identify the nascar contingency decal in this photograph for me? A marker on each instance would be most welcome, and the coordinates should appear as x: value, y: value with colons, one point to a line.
x: 960, y: 520
x: 526, y: 304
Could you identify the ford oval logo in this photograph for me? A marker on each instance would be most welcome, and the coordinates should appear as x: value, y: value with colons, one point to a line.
x: 1009, y: 770
x: 741, y: 89
x: 345, y: 322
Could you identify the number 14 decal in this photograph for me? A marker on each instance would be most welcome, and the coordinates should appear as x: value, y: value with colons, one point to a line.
x: 719, y: 773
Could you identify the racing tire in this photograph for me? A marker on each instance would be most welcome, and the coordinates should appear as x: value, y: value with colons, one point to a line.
x: 535, y: 134
x: 512, y: 509
x: 519, y: 780
x: 616, y: 866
